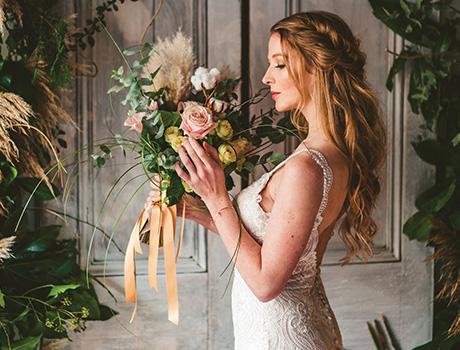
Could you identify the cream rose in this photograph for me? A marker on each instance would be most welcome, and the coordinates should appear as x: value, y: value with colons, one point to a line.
x: 241, y: 146
x: 226, y: 153
x: 197, y: 120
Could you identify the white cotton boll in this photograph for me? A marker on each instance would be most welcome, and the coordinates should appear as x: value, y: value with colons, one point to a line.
x: 196, y: 81
x: 200, y: 71
x: 209, y: 82
x: 215, y: 73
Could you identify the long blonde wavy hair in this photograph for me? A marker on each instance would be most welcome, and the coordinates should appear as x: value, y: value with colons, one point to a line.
x: 322, y: 42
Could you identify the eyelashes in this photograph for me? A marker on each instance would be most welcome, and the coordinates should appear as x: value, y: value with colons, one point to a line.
x: 280, y: 66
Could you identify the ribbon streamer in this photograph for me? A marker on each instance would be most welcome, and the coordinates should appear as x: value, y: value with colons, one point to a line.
x: 161, y: 233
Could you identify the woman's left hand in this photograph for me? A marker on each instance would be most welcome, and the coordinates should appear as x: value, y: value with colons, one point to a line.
x: 205, y: 173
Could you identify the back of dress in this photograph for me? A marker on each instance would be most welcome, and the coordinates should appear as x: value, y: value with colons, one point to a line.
x: 300, y: 316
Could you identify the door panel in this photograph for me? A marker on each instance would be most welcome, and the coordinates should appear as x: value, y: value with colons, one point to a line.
x: 397, y: 282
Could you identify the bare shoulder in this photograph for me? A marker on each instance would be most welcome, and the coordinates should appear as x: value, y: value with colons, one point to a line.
x: 300, y: 171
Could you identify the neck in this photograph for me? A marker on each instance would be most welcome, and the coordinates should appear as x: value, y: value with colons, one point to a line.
x: 316, y: 133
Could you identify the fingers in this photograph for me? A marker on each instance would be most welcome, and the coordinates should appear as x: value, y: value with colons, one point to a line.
x: 196, y: 153
x: 201, y: 152
x: 212, y: 152
x: 182, y: 174
x: 185, y: 159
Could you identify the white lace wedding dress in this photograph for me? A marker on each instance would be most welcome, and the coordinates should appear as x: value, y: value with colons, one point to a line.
x: 300, y: 317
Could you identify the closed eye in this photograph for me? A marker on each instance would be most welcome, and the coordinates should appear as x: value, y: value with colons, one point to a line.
x: 280, y: 66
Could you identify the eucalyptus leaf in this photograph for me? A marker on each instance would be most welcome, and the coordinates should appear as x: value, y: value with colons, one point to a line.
x: 115, y: 88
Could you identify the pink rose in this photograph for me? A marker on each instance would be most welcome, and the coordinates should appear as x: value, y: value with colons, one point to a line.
x: 135, y: 122
x: 196, y: 120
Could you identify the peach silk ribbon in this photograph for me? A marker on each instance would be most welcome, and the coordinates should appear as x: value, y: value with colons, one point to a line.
x: 162, y: 223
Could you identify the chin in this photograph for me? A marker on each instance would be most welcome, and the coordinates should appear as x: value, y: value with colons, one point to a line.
x: 281, y: 108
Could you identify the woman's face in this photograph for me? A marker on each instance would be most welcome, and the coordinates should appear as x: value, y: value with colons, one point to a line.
x: 284, y: 92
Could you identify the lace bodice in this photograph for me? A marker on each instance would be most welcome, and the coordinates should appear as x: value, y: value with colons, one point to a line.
x: 300, y: 317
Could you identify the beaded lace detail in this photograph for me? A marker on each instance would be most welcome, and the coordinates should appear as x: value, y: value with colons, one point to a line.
x: 300, y: 317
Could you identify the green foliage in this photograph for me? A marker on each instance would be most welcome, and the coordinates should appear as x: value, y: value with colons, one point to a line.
x: 432, y: 57
x: 43, y: 291
x: 158, y: 156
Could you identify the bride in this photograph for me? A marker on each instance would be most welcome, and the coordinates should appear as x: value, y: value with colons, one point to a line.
x: 316, y: 69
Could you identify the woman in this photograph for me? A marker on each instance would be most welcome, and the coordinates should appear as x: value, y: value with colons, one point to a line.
x: 289, y: 214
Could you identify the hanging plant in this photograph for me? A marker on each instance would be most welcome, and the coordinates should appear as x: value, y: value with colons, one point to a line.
x: 431, y: 54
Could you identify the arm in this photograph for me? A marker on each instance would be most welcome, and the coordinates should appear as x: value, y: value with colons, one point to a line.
x: 266, y: 269
x: 194, y: 212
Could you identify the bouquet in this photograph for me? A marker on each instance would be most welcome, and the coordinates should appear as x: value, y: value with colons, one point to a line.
x: 169, y: 100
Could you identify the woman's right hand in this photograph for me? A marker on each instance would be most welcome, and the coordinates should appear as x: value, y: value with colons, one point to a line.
x: 196, y: 210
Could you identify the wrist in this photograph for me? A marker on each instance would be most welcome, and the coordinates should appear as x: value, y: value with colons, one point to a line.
x: 217, y: 203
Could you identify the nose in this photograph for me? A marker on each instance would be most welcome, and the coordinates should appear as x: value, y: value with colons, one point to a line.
x: 267, y: 79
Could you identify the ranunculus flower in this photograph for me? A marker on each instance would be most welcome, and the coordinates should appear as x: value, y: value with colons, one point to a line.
x: 196, y: 120
x: 171, y: 133
x: 206, y: 78
x: 224, y: 129
x: 135, y: 122
x: 176, y: 141
x: 226, y: 153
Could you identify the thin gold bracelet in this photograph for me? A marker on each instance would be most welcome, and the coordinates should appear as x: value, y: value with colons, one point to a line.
x: 222, y: 209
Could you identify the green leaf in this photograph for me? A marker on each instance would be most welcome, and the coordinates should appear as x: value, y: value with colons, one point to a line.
x: 144, y: 81
x: 276, y: 158
x: 154, y: 74
x: 436, y: 197
x: 28, y: 343
x: 129, y: 52
x: 42, y: 192
x: 2, y: 299
x: 397, y: 66
x: 105, y: 149
x: 433, y: 152
x: 59, y: 289
x: 418, y: 226
x: 456, y: 140
x: 115, y: 88
x: 9, y: 172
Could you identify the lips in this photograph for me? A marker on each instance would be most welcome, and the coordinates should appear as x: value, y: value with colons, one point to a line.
x: 275, y: 94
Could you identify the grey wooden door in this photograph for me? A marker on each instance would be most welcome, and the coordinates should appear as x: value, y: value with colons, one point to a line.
x: 397, y: 283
